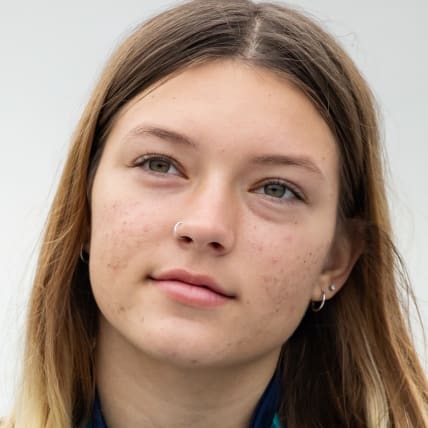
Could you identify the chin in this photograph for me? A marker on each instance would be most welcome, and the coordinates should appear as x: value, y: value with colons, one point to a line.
x: 184, y: 350
x: 201, y: 352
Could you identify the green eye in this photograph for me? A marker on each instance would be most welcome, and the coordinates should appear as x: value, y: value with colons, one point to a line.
x: 158, y: 165
x: 275, y: 190
x: 280, y: 191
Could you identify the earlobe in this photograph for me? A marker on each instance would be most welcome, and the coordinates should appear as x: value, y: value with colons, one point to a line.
x: 345, y: 250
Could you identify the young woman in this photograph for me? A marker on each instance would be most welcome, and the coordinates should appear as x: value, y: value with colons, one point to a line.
x: 218, y: 253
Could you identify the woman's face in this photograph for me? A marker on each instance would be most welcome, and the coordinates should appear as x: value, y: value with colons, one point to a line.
x: 245, y: 163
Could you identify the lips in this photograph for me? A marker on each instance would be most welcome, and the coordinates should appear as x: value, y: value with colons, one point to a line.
x: 192, y: 279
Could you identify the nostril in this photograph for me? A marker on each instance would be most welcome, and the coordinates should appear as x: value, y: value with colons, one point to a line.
x: 216, y: 245
x: 186, y: 239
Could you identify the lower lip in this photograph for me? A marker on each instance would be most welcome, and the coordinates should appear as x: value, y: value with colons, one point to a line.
x: 191, y: 294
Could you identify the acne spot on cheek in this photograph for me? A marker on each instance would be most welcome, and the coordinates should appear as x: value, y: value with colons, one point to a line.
x: 273, y: 287
x: 116, y: 265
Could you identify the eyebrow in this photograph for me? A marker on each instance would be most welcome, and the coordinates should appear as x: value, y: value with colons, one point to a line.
x: 162, y: 133
x: 288, y: 160
x: 178, y: 138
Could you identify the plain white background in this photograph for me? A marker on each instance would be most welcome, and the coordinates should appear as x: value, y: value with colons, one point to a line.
x: 51, y: 55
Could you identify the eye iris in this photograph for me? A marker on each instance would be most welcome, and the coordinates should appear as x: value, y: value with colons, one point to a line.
x: 275, y: 190
x: 159, y: 165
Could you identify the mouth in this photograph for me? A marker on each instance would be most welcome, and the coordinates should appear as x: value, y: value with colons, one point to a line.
x: 192, y: 289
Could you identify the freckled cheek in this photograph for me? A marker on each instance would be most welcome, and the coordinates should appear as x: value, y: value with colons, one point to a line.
x: 118, y: 232
x: 282, y: 288
x: 285, y: 277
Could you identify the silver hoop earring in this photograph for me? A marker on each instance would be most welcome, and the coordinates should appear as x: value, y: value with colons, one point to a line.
x: 314, y: 306
x: 82, y: 255
x: 175, y: 230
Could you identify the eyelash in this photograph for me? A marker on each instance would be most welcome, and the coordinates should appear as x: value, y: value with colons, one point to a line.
x: 153, y: 157
x: 297, y: 195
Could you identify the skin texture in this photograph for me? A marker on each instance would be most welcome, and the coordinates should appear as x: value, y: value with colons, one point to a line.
x: 274, y: 249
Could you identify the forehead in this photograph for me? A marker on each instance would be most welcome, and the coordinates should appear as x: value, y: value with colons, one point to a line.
x: 224, y: 103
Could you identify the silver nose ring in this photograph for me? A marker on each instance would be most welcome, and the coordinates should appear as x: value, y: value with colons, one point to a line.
x: 175, y: 230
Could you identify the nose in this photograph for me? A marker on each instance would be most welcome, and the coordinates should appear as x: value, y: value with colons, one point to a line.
x: 207, y: 226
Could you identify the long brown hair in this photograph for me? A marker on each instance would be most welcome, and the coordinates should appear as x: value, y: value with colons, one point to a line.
x: 351, y: 365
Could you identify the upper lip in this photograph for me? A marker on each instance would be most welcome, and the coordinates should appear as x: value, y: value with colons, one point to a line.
x: 198, y: 280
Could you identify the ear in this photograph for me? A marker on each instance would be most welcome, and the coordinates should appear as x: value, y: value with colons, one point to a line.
x: 346, y: 248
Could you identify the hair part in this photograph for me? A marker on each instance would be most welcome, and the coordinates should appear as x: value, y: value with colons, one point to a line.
x: 355, y: 359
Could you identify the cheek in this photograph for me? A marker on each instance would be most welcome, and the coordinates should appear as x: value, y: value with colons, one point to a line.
x: 120, y: 231
x: 286, y: 274
x: 117, y: 230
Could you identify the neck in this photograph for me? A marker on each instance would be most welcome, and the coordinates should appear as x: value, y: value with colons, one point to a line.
x: 138, y: 390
